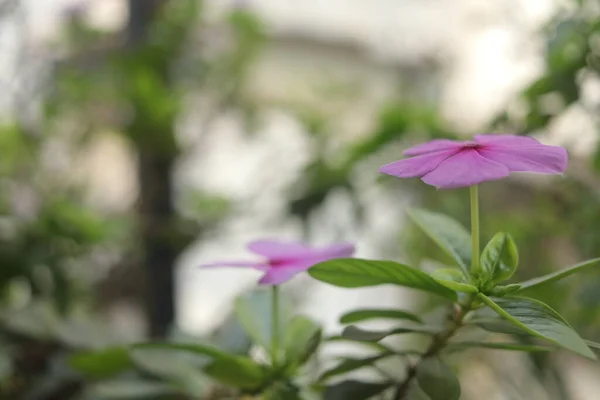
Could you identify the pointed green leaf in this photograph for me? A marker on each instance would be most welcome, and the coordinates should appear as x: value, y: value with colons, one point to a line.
x: 369, y: 314
x: 352, y: 364
x: 302, y: 338
x: 558, y: 275
x: 195, y: 348
x: 453, y: 279
x: 237, y: 372
x: 592, y: 344
x: 361, y: 335
x: 531, y: 348
x: 499, y: 259
x: 539, y: 320
x: 437, y: 380
x: 447, y: 233
x: 355, y: 390
x: 102, y: 363
x: 354, y: 272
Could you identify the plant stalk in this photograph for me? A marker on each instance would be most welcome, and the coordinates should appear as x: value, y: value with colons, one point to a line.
x: 474, y: 191
x: 274, y: 325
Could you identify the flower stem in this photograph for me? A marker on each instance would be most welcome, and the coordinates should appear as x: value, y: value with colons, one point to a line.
x: 475, y: 229
x: 274, y: 324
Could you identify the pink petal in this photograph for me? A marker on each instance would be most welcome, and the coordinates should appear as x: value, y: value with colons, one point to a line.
x: 277, y: 276
x: 505, y: 140
x: 466, y: 168
x: 538, y: 158
x: 339, y: 250
x: 417, y: 166
x: 433, y: 146
x: 274, y: 249
x: 261, y: 266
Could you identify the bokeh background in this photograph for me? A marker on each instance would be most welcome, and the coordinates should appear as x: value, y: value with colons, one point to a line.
x: 141, y: 138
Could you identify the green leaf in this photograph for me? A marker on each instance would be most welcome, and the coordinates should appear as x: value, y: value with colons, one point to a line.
x: 282, y: 391
x: 531, y: 348
x: 361, y: 335
x: 499, y: 259
x: 302, y: 338
x: 558, y: 275
x: 592, y: 344
x: 503, y: 290
x: 437, y: 380
x: 453, y: 279
x: 372, y: 313
x: 539, y: 320
x: 101, y: 363
x: 130, y: 390
x: 239, y: 372
x: 352, y: 364
x: 195, y: 348
x: 447, y: 233
x: 355, y: 390
x: 354, y: 272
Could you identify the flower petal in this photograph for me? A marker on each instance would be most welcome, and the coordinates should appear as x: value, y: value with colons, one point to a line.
x: 505, y: 140
x: 274, y: 249
x: 538, y: 158
x: 277, y: 276
x: 433, y: 146
x: 417, y: 166
x: 261, y: 266
x: 466, y: 168
x: 339, y: 250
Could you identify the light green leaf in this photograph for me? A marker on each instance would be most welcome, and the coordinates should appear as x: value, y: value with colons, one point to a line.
x: 499, y: 259
x: 558, y: 275
x: 353, y: 333
x: 237, y: 372
x: 102, y: 363
x: 503, y: 290
x: 539, y: 320
x: 592, y: 344
x: 447, y: 233
x: 437, y: 380
x: 354, y: 272
x: 355, y: 390
x: 531, y: 348
x: 302, y: 338
x: 130, y: 390
x: 453, y: 279
x: 352, y: 364
x: 372, y: 313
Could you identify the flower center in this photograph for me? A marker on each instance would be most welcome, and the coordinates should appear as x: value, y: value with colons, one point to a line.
x: 471, y: 145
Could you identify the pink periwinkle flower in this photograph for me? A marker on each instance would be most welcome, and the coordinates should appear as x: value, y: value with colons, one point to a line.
x: 451, y: 164
x: 283, y: 260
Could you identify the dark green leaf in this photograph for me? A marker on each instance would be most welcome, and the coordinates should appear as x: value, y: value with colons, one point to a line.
x: 195, y: 348
x: 237, y: 372
x: 353, y: 272
x: 558, y: 275
x: 499, y: 346
x: 447, y: 233
x: 352, y: 364
x: 539, y: 320
x: 371, y: 313
x: 437, y: 380
x: 453, y: 280
x: 102, y: 363
x: 499, y: 259
x: 353, y: 333
x: 355, y: 390
x: 302, y: 338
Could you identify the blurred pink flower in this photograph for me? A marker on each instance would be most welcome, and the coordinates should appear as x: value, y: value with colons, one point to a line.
x: 452, y: 164
x: 283, y: 260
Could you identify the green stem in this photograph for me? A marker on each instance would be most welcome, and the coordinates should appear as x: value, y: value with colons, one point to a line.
x: 474, y: 229
x: 274, y: 324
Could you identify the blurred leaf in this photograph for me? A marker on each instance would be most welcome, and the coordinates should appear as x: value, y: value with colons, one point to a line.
x: 558, y: 275
x: 237, y: 372
x: 539, y: 320
x: 437, y: 380
x: 101, y: 363
x: 253, y: 312
x: 282, y: 391
x: 352, y: 364
x: 130, y: 389
x: 453, y: 280
x: 355, y: 390
x: 447, y: 233
x: 354, y: 272
x: 499, y: 346
x: 302, y: 338
x: 195, y: 348
x: 369, y: 314
x: 499, y: 259
x: 362, y: 335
